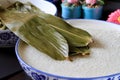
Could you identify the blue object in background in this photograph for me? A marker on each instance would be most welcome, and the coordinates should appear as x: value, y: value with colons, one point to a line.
x: 55, y: 2
x: 92, y: 13
x: 50, y: 0
x: 71, y: 12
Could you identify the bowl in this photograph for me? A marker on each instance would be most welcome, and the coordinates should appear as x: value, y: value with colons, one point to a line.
x: 7, y: 38
x: 102, y: 64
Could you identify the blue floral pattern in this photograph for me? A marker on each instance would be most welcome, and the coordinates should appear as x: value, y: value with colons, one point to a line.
x: 114, y: 78
x: 35, y: 75
x: 7, y: 38
x: 38, y: 77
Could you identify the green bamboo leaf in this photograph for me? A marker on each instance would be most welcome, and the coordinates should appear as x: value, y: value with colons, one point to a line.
x: 43, y: 30
x: 79, y: 51
x: 75, y: 36
x: 34, y: 31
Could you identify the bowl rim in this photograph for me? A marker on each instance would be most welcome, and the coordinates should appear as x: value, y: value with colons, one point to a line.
x: 64, y: 77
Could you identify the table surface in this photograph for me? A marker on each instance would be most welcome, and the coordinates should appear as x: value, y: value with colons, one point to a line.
x: 10, y: 68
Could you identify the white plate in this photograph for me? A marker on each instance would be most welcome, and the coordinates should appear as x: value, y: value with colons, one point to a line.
x: 45, y: 6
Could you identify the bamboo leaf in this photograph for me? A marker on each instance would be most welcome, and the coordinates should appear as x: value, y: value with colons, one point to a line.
x: 42, y: 36
x: 79, y: 51
x: 46, y: 32
x: 75, y: 37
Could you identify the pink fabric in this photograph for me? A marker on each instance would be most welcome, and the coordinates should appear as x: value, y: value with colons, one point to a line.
x: 114, y: 17
x: 72, y: 1
x: 92, y: 2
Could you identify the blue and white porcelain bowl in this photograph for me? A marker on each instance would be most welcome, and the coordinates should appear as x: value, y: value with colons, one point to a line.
x: 37, y: 74
x: 7, y: 38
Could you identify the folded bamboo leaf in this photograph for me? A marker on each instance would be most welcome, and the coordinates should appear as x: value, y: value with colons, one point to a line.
x: 79, y: 50
x: 50, y: 34
x: 34, y: 31
x: 75, y: 37
x: 20, y: 24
